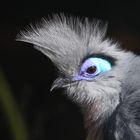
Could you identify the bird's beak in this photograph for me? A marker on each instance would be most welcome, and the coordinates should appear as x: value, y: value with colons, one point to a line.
x: 61, y: 83
x: 65, y: 82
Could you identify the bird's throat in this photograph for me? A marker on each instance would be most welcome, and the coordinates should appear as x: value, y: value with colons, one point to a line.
x: 96, y: 123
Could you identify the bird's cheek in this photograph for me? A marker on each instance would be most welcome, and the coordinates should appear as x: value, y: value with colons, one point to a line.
x: 79, y: 78
x: 76, y: 78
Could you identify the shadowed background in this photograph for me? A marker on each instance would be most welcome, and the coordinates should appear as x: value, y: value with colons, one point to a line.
x: 29, y: 74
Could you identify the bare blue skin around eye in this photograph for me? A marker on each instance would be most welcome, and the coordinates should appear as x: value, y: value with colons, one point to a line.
x: 101, y: 65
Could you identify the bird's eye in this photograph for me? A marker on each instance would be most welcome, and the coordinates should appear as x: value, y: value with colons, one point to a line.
x: 93, y: 67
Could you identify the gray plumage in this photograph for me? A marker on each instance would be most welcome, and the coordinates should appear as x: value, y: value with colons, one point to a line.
x: 111, y: 101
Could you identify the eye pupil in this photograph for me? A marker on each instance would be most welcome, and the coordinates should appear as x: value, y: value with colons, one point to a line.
x: 91, y: 69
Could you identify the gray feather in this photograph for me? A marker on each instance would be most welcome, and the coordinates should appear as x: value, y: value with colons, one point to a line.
x: 67, y: 41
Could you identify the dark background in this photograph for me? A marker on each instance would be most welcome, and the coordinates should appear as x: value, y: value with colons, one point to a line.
x: 51, y: 116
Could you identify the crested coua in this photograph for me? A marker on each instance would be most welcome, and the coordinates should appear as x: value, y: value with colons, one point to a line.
x: 98, y: 75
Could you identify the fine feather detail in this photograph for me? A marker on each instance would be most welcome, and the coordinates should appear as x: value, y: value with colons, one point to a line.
x: 67, y: 41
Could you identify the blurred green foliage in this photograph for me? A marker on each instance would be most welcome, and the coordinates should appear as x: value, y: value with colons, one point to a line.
x: 11, y: 111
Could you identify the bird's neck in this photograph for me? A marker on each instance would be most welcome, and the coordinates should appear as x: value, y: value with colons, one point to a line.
x: 96, y: 127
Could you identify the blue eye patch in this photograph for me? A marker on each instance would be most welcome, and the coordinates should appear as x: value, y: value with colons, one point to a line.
x: 92, y: 67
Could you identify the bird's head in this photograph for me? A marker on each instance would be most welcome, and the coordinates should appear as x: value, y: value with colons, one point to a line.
x: 90, y: 65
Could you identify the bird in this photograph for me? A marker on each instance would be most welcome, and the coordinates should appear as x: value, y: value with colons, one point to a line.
x: 97, y: 74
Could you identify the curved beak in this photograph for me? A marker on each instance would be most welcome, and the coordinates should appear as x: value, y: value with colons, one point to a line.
x: 60, y: 83
x: 63, y: 83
